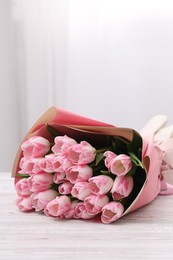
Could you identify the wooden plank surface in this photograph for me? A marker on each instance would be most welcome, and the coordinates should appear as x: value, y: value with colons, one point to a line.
x: 144, y: 234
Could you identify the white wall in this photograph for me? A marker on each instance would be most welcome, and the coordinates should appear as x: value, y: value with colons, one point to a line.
x: 9, y: 116
x: 107, y: 59
x: 120, y: 60
x: 41, y: 38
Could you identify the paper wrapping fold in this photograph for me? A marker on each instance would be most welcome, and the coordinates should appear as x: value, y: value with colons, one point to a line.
x: 71, y: 123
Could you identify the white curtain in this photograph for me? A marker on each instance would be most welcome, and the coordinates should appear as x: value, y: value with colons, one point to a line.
x: 107, y: 59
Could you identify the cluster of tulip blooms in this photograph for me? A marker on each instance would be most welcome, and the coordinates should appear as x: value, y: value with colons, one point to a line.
x: 70, y: 179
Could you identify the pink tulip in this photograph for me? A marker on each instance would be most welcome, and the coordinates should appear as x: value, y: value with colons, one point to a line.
x: 41, y: 199
x: 59, y: 177
x: 65, y: 188
x: 62, y: 143
x: 35, y: 146
x: 120, y: 165
x: 94, y: 204
x: 82, y: 153
x: 122, y: 187
x: 70, y: 212
x: 29, y: 165
x: 81, y: 212
x: 100, y: 184
x: 40, y: 182
x: 78, y: 173
x: 109, y: 156
x: 58, y: 207
x: 46, y: 164
x: 24, y: 203
x: 111, y: 212
x: 81, y: 190
x: 22, y: 187
x: 61, y: 164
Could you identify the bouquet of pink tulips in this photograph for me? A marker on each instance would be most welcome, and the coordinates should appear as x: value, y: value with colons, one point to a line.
x: 69, y: 166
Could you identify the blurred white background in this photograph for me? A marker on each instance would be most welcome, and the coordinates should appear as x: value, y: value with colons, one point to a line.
x: 106, y: 59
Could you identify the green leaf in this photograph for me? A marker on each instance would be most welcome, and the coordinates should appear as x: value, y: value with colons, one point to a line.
x: 136, y: 145
x: 22, y: 175
x: 136, y: 160
x: 108, y: 173
x: 51, y: 130
x: 105, y: 172
x: 119, y: 145
x: 99, y: 158
x: 54, y: 186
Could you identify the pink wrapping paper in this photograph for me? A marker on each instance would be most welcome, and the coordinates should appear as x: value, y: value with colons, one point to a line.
x: 74, y: 124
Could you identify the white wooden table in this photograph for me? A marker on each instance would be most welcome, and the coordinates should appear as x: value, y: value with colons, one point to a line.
x: 144, y: 234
